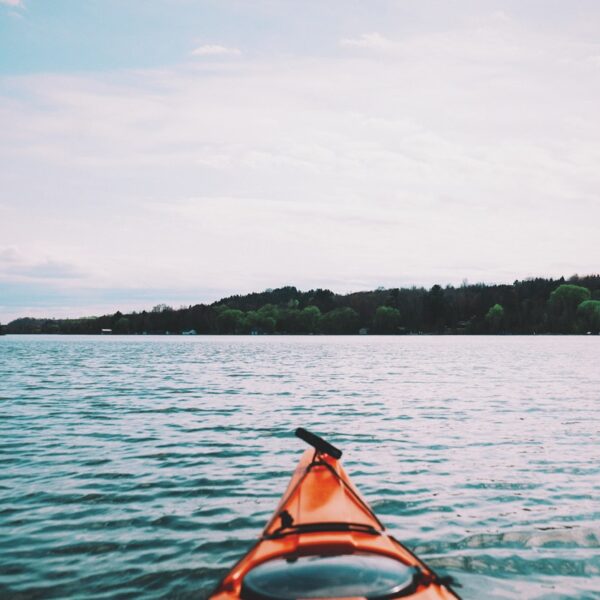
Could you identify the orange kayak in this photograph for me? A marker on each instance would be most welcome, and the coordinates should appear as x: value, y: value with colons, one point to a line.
x: 325, y: 542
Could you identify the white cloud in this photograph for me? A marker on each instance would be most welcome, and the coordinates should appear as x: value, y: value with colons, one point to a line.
x: 9, y: 255
x: 475, y: 157
x: 48, y: 269
x: 16, y: 265
x: 13, y: 3
x: 216, y: 50
x: 370, y: 41
x: 594, y: 60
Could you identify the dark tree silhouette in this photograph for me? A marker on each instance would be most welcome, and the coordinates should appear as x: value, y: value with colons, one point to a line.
x: 530, y: 306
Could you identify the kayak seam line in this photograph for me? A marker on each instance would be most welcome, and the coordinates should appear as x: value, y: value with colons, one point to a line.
x: 326, y: 527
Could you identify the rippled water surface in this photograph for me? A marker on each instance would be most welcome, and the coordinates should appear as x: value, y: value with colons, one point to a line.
x: 144, y: 467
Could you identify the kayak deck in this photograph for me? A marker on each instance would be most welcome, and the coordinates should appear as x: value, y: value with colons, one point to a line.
x: 322, y: 521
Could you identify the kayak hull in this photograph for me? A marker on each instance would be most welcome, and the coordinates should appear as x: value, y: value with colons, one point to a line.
x: 322, y: 514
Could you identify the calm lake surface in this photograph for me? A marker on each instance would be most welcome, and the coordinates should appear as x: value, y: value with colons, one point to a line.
x: 146, y: 466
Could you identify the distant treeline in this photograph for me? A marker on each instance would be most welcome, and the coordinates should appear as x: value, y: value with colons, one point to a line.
x: 532, y: 306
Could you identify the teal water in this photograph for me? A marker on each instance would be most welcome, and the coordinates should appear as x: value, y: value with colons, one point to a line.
x: 146, y: 466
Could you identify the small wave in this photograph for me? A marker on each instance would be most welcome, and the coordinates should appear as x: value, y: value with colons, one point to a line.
x: 175, y: 523
x: 559, y: 537
x: 507, y: 566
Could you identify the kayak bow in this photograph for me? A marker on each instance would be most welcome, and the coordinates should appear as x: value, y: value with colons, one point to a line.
x: 325, y: 542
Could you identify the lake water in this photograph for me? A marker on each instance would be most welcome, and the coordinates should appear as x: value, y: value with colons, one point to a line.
x: 146, y: 466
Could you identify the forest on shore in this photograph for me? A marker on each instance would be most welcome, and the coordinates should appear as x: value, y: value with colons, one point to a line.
x: 531, y: 306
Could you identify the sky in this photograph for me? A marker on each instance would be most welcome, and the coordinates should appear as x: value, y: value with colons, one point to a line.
x: 178, y: 151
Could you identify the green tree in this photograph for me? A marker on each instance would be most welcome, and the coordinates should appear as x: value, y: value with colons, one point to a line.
x: 230, y: 320
x: 122, y: 325
x: 309, y: 318
x: 434, y: 308
x: 268, y: 316
x: 259, y: 322
x: 588, y: 313
x: 386, y: 320
x: 339, y: 321
x: 250, y: 322
x: 162, y: 308
x: 562, y: 306
x: 495, y: 318
x: 323, y: 299
x: 289, y: 321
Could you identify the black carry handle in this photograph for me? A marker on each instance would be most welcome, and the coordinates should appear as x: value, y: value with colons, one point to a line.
x: 319, y: 443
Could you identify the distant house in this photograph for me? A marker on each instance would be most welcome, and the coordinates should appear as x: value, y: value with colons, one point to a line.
x: 189, y: 332
x: 363, y: 331
x: 105, y: 331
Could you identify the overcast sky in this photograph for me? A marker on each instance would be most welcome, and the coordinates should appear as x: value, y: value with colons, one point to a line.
x: 181, y: 150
